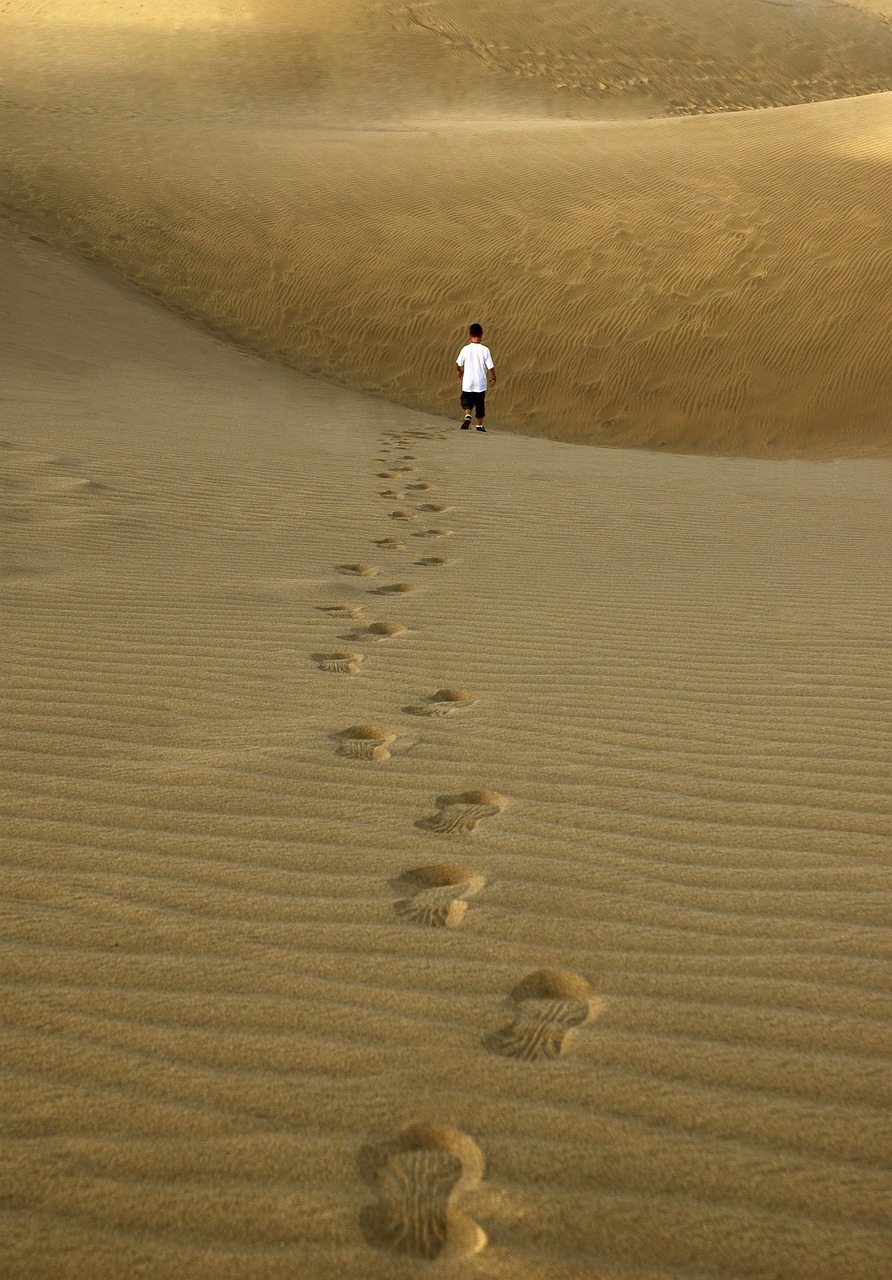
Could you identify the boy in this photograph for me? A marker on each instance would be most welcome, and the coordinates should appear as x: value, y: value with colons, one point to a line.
x: 472, y: 364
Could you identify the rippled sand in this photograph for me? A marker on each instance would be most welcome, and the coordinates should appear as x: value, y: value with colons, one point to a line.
x: 428, y: 849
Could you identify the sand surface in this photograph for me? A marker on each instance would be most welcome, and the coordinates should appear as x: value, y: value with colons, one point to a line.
x: 432, y: 852
x: 221, y: 988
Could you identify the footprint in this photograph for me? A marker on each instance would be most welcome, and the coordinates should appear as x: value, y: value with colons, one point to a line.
x: 403, y: 513
x: 445, y: 702
x: 394, y: 589
x: 391, y: 544
x: 409, y: 457
x: 424, y: 487
x: 391, y: 493
x: 437, y: 894
x: 416, y: 1178
x: 405, y: 469
x: 437, y: 506
x: 435, y: 562
x: 342, y: 610
x: 359, y: 570
x: 385, y: 475
x: 340, y: 663
x: 548, y: 1007
x: 382, y: 630
x: 365, y: 742
x: 433, y: 533
x: 463, y: 812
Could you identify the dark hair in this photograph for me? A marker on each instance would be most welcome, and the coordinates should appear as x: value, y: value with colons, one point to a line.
x: 476, y: 331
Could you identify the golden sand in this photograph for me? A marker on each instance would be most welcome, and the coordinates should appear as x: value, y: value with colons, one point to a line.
x: 521, y: 912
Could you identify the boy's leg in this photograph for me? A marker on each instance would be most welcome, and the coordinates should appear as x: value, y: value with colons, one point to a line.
x: 480, y: 409
x: 466, y: 404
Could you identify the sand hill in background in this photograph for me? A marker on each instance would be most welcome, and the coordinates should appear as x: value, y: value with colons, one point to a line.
x: 346, y: 191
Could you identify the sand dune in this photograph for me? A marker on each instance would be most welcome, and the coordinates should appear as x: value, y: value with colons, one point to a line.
x: 713, y: 285
x: 428, y: 848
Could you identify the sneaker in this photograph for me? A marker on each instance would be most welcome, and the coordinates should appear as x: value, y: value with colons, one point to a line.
x: 466, y: 424
x: 481, y: 428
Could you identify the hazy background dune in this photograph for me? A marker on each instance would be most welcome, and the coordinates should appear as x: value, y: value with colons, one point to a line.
x: 347, y: 189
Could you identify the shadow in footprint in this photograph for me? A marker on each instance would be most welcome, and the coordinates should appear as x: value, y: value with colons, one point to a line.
x: 365, y: 742
x: 358, y: 570
x: 463, y: 812
x: 548, y: 1006
x: 445, y: 702
x: 380, y: 631
x: 416, y: 1179
x: 342, y: 610
x: 436, y: 894
x: 342, y: 664
x: 393, y: 589
x: 390, y: 544
x: 435, y: 562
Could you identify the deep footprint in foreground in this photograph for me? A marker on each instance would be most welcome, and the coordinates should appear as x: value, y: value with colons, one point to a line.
x: 463, y: 812
x: 416, y: 1179
x: 365, y: 742
x: 391, y: 544
x: 548, y: 1007
x: 435, y: 562
x: 341, y: 664
x: 445, y: 702
x: 437, y: 894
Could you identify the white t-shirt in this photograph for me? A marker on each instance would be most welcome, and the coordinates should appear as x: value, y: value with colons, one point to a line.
x: 474, y: 360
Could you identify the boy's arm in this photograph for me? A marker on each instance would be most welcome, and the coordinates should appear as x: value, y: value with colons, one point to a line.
x: 491, y: 374
x: 459, y: 369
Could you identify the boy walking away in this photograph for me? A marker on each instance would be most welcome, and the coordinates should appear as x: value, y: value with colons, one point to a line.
x: 473, y: 363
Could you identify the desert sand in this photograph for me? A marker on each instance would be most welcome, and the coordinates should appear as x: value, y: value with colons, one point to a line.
x: 429, y: 851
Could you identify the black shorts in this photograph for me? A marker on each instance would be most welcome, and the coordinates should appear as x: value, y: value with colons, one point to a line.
x: 475, y: 400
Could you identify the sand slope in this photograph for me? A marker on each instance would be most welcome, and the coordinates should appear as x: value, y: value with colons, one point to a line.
x: 423, y: 848
x: 224, y: 1000
x: 348, y: 193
